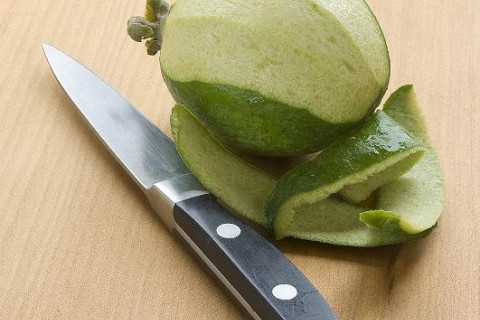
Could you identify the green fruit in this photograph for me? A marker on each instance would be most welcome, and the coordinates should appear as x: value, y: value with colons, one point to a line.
x: 273, y: 77
x: 288, y: 77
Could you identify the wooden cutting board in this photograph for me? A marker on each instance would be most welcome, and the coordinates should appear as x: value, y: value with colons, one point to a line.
x: 79, y: 241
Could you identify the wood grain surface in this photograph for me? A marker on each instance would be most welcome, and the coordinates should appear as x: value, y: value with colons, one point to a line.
x: 78, y: 239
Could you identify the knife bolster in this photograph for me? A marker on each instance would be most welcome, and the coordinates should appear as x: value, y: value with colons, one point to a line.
x: 165, y: 194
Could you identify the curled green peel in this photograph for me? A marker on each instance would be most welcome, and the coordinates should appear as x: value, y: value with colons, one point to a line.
x: 322, y: 217
x: 407, y: 207
x: 357, y: 160
x: 417, y: 197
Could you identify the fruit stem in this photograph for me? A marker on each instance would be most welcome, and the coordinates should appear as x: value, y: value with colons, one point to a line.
x: 150, y: 27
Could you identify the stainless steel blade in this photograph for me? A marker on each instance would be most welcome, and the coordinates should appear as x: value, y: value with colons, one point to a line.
x: 145, y: 152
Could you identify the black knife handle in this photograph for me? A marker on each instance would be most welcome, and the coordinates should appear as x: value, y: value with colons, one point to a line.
x: 262, y: 279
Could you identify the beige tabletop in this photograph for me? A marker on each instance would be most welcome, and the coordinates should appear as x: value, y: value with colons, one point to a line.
x: 78, y: 239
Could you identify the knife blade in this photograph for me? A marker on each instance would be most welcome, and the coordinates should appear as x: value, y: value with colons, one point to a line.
x: 262, y: 280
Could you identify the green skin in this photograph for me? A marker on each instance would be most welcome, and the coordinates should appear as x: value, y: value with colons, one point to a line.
x: 254, y: 121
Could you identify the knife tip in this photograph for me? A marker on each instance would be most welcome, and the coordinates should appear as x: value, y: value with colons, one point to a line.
x: 46, y: 46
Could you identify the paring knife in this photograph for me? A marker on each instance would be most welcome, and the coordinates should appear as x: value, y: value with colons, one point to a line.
x: 259, y: 276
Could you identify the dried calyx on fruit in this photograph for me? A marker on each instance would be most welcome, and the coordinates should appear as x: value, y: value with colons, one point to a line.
x: 150, y: 27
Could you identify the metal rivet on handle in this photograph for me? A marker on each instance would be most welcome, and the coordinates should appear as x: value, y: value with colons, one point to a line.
x: 284, y: 292
x: 228, y: 231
